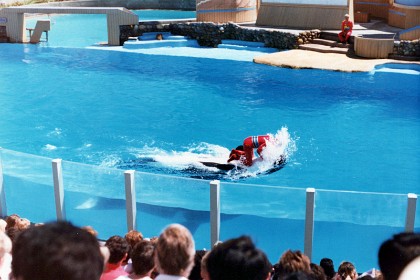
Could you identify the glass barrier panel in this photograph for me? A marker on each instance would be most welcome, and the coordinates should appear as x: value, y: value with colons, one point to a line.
x: 361, y: 208
x: 356, y: 223
x: 95, y: 196
x: 163, y: 200
x: 274, y: 217
x: 28, y: 184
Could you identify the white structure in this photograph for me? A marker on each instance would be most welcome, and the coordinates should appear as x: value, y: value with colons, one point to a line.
x: 14, y: 20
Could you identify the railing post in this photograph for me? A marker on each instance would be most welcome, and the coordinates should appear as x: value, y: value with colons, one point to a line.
x: 130, y: 200
x: 3, y: 206
x: 58, y: 189
x: 214, y: 212
x: 309, y: 221
x: 411, y: 212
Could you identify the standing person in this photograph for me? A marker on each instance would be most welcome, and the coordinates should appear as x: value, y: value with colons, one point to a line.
x: 175, y: 251
x: 346, y: 29
x: 245, y: 153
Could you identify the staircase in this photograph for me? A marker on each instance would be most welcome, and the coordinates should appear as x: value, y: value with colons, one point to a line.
x: 328, y: 43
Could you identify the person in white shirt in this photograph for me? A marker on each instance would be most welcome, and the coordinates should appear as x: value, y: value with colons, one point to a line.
x: 175, y: 252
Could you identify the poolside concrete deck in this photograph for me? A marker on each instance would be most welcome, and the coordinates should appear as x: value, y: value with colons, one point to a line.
x: 303, y: 59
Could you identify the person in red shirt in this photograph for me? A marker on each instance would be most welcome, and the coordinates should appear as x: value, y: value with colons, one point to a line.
x: 346, y: 29
x: 245, y: 153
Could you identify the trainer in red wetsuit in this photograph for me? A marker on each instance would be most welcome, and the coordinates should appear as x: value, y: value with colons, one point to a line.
x: 245, y: 153
x: 346, y: 29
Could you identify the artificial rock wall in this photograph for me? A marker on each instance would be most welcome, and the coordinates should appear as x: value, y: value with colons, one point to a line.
x: 211, y: 34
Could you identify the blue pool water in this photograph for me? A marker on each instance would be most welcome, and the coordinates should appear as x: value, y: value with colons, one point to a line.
x: 163, y: 109
x: 355, y: 131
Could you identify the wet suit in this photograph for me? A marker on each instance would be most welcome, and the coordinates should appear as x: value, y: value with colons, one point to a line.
x: 346, y: 30
x: 250, y: 143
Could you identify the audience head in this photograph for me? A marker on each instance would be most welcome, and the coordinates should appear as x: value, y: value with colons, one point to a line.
x: 196, y: 270
x: 91, y: 230
x: 328, y: 266
x: 318, y: 272
x: 346, y: 271
x: 411, y: 271
x: 175, y: 251
x: 290, y: 262
x: 238, y: 259
x: 118, y: 249
x: 12, y: 221
x: 13, y: 233
x: 142, y: 257
x: 395, y: 253
x: 56, y: 250
x: 133, y: 237
x: 203, y: 269
x: 15, y: 221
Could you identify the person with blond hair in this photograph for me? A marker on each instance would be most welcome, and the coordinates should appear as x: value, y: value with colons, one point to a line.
x: 346, y: 29
x: 175, y: 251
x: 132, y: 237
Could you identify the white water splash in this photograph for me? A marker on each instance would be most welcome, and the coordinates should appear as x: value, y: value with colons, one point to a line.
x: 50, y: 147
x: 279, y: 145
x: 55, y: 133
x: 110, y: 161
x: 191, y: 157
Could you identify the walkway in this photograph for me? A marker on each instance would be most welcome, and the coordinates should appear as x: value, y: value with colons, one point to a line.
x: 302, y: 59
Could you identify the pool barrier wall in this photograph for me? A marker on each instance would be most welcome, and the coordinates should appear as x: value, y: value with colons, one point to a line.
x: 215, y: 204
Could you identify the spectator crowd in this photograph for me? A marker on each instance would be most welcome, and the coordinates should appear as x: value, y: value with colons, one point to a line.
x: 62, y: 251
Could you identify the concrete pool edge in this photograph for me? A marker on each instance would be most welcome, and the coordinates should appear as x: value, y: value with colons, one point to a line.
x: 303, y: 59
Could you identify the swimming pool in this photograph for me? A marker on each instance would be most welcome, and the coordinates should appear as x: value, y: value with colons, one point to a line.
x: 112, y: 106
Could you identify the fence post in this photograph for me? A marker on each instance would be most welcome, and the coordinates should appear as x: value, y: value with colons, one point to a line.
x: 130, y: 199
x: 3, y: 206
x: 411, y: 212
x: 214, y: 212
x: 309, y: 221
x: 58, y: 189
